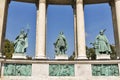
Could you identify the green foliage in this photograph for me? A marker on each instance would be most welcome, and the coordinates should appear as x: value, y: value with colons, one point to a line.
x: 113, y: 54
x: 29, y: 57
x: 8, y: 49
x: 72, y: 56
x: 90, y: 53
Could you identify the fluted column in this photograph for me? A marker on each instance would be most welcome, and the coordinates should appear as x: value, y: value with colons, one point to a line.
x: 41, y: 30
x: 117, y: 9
x: 3, y: 18
x: 80, y: 30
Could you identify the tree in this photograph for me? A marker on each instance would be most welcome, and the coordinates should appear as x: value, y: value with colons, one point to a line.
x: 113, y: 54
x: 8, y: 49
x: 72, y: 57
x: 92, y: 53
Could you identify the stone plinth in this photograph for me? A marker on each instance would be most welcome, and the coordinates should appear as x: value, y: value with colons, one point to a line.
x: 41, y: 69
x: 63, y: 56
x: 19, y: 56
x: 103, y: 56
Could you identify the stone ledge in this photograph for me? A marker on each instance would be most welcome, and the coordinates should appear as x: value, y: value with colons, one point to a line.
x: 60, y: 61
x: 60, y: 78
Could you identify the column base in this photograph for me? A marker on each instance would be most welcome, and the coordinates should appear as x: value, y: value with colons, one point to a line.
x: 81, y: 57
x: 19, y: 56
x: 40, y: 57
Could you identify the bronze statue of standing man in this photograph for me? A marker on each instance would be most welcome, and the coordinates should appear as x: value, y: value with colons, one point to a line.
x: 101, y: 44
x: 60, y: 44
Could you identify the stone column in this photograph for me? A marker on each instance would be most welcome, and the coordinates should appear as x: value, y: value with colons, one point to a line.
x: 3, y: 18
x: 41, y: 30
x: 117, y: 9
x: 75, y: 28
x: 115, y: 29
x: 80, y: 30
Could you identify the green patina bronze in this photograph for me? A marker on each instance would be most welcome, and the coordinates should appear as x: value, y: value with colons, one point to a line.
x: 101, y: 44
x: 60, y: 44
x: 21, y: 41
x: 105, y: 70
x: 61, y: 70
x: 17, y: 69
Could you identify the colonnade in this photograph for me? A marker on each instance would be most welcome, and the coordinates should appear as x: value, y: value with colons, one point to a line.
x: 79, y: 27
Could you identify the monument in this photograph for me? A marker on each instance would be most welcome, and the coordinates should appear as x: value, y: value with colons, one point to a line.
x: 21, y: 44
x: 60, y: 47
x: 101, y: 46
x: 42, y: 68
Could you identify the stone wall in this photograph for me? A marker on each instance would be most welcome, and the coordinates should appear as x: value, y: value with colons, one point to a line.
x: 62, y: 69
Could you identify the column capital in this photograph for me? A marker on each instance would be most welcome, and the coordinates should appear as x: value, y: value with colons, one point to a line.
x: 42, y: 1
x: 112, y: 3
x: 79, y: 1
x: 37, y: 2
x: 74, y: 6
x: 9, y: 1
x: 116, y: 0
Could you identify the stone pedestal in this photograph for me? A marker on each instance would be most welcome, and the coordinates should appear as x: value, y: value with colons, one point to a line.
x: 63, y: 56
x: 76, y: 70
x: 103, y: 56
x: 19, y: 56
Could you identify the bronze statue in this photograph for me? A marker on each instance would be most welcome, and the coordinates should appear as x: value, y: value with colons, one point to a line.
x: 101, y: 44
x: 21, y: 42
x: 60, y: 44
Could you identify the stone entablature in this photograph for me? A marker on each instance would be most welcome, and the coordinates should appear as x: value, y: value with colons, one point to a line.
x: 67, y: 2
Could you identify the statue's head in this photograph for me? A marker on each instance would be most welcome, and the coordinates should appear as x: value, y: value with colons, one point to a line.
x: 22, y: 31
x: 61, y: 33
x: 101, y: 32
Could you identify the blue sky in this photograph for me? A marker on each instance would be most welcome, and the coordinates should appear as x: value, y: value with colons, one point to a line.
x: 59, y: 18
